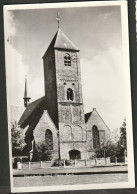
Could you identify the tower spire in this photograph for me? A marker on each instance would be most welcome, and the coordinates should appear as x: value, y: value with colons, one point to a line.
x: 58, y: 19
x: 26, y: 98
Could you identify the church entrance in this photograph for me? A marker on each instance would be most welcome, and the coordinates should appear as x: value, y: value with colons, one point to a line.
x: 74, y: 154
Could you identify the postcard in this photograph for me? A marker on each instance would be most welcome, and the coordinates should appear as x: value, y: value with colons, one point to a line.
x: 68, y: 96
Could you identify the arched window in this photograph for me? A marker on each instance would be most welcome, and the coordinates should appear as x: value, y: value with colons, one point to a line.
x: 69, y: 94
x: 49, y: 139
x: 67, y: 60
x: 95, y: 134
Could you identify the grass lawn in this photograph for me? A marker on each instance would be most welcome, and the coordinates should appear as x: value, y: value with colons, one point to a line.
x: 68, y: 179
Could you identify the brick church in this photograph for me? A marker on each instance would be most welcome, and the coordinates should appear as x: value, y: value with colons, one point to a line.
x: 57, y: 119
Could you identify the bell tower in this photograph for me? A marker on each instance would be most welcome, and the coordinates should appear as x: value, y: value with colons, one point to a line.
x: 63, y: 92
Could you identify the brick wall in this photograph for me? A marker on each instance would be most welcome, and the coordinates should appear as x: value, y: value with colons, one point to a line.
x: 39, y: 133
x: 104, y: 131
x: 50, y: 83
x: 71, y: 113
x: 65, y: 147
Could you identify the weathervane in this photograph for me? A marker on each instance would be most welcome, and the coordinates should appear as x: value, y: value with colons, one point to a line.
x: 58, y: 18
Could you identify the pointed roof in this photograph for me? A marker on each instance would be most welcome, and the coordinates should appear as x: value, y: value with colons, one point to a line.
x: 63, y: 42
x: 94, y: 118
x: 25, y: 91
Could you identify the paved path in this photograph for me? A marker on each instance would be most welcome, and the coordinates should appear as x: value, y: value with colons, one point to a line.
x: 70, y: 170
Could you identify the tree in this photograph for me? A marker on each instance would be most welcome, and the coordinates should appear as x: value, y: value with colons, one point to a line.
x: 42, y: 153
x: 17, y: 139
x: 123, y: 137
x: 107, y: 148
x: 122, y: 143
x: 115, y: 146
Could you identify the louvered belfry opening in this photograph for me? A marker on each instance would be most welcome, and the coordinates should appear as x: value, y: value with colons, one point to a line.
x: 67, y: 60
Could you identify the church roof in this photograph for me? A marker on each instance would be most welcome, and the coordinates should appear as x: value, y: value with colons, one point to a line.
x: 87, y: 115
x: 30, y: 109
x: 63, y: 42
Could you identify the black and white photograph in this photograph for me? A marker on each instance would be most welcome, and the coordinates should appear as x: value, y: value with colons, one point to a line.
x: 68, y: 96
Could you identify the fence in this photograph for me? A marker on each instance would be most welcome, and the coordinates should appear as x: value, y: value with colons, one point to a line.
x: 34, y: 165
x: 16, y: 159
x: 73, y: 163
x: 116, y: 160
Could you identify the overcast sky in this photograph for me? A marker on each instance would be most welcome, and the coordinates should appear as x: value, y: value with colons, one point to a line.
x: 97, y: 33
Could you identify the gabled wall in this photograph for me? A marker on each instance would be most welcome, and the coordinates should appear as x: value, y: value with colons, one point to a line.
x: 104, y: 131
x: 45, y: 123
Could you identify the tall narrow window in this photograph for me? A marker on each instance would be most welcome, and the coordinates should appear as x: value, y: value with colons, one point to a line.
x: 95, y: 134
x: 69, y: 94
x: 67, y: 60
x: 49, y: 139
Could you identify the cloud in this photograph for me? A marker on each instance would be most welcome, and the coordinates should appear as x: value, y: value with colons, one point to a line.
x: 15, y: 74
x: 106, y: 16
x: 16, y: 69
x: 10, y: 26
x: 104, y: 86
x: 35, y: 87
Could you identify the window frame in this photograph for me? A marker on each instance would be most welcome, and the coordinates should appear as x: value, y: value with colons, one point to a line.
x: 70, y: 94
x: 47, y: 135
x: 67, y: 60
x: 95, y: 137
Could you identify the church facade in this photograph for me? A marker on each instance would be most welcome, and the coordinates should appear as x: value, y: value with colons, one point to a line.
x: 57, y: 119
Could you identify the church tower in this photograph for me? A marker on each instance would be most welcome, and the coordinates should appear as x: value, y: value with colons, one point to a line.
x: 63, y: 93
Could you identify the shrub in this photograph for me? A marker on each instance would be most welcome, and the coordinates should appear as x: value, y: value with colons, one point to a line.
x: 16, y: 160
x: 67, y: 162
x: 25, y: 160
x: 42, y: 153
x: 61, y: 162
x: 58, y: 163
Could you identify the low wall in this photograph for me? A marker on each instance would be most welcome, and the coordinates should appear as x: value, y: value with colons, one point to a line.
x: 73, y: 163
x: 91, y: 162
x: 34, y: 165
x: 103, y: 161
x: 80, y: 163
x: 47, y: 164
x: 25, y: 165
x: 85, y: 162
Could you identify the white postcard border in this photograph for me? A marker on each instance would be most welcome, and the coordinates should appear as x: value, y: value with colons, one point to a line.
x: 125, y: 44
